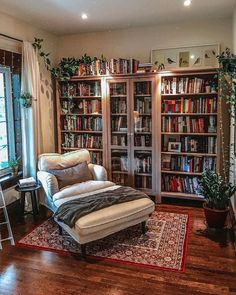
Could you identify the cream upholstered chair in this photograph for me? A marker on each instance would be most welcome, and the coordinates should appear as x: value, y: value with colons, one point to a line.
x: 98, y: 224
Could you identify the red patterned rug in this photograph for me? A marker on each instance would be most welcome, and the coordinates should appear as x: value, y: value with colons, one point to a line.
x: 164, y: 245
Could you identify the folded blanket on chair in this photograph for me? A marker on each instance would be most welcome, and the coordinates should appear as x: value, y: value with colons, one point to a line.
x: 71, y: 211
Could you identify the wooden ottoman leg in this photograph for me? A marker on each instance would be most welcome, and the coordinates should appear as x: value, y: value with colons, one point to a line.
x: 83, y: 250
x: 144, y: 228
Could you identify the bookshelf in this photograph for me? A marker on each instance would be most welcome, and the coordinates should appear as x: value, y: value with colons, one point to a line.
x: 189, y: 131
x: 154, y: 132
x: 80, y: 111
x: 131, y: 144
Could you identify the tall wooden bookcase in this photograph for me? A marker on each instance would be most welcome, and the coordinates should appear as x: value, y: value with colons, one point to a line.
x: 154, y: 132
x: 189, y: 137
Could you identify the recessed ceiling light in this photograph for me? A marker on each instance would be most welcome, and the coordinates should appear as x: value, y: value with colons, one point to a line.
x: 84, y: 16
x: 187, y: 2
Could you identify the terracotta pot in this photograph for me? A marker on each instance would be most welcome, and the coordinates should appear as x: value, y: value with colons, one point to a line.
x: 215, y: 218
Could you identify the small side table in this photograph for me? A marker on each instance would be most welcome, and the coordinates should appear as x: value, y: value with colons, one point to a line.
x: 32, y: 190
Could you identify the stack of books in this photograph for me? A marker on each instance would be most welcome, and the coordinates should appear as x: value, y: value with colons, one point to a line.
x: 27, y: 182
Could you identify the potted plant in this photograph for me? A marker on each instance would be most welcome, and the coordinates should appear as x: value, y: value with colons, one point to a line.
x: 217, y: 193
x: 14, y: 165
x: 26, y: 99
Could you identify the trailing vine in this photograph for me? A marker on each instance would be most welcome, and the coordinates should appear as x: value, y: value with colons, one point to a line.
x: 68, y: 66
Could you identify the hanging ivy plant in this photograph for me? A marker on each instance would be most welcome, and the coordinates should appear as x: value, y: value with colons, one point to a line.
x: 227, y: 79
x: 26, y: 99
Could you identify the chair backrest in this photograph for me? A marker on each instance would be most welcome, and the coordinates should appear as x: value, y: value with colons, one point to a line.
x: 54, y: 161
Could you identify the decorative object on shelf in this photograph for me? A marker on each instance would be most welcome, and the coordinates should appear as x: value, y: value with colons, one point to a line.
x: 185, y: 58
x: 217, y: 193
x: 174, y: 147
x: 14, y: 164
x: 26, y: 99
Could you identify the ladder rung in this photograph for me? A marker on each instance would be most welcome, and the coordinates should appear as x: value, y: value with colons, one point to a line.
x: 6, y: 239
x: 1, y: 223
x: 2, y: 207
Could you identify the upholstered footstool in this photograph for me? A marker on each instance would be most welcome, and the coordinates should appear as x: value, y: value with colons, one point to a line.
x: 109, y: 220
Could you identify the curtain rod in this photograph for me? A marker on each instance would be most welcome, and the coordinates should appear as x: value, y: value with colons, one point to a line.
x: 9, y: 37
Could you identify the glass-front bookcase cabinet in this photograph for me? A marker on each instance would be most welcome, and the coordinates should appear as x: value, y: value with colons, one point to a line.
x: 131, y: 112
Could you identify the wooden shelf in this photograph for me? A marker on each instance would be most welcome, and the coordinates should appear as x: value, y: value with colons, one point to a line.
x: 143, y: 174
x: 81, y: 131
x: 119, y: 95
x: 144, y: 114
x: 119, y: 147
x: 142, y: 95
x: 181, y: 196
x: 181, y: 172
x: 83, y: 115
x: 118, y: 114
x: 141, y: 132
x: 83, y: 97
x: 80, y: 148
x: 120, y: 172
x: 142, y: 148
x: 189, y: 154
x: 189, y: 133
x: 119, y: 132
x: 188, y: 94
x: 189, y: 114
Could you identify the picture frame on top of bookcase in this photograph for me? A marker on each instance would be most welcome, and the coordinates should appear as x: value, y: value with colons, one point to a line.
x: 186, y: 58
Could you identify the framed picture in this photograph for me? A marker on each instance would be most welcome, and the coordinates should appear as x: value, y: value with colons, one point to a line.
x: 174, y: 147
x: 185, y: 58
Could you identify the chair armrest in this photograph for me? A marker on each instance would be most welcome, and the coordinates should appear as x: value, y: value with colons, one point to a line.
x: 98, y: 171
x: 49, y: 183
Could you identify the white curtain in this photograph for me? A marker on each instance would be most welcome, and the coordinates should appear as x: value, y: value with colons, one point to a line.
x: 31, y: 117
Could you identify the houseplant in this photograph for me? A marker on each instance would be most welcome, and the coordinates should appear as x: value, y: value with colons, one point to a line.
x: 14, y: 164
x: 217, y: 193
x: 26, y: 99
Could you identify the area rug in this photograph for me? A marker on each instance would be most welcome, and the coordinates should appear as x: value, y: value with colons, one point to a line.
x: 163, y: 246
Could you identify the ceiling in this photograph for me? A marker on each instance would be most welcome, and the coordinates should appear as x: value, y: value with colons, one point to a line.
x: 63, y: 17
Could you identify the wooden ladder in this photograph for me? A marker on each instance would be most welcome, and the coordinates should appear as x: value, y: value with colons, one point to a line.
x: 6, y: 222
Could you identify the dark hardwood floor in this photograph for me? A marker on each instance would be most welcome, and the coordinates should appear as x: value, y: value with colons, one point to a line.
x: 210, y: 267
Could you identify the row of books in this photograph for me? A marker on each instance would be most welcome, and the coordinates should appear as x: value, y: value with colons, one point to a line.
x: 190, y: 105
x: 104, y: 67
x: 143, y: 182
x: 92, y: 106
x: 188, y: 124
x: 118, y: 106
x: 72, y: 140
x: 96, y: 158
x: 120, y: 140
x: 143, y: 163
x: 143, y: 105
x: 118, y: 89
x: 188, y: 163
x: 120, y: 179
x: 119, y: 123
x: 143, y: 140
x: 183, y: 85
x: 143, y: 88
x: 81, y: 89
x: 78, y: 123
x: 199, y: 144
x: 119, y: 163
x: 188, y: 185
x: 142, y: 124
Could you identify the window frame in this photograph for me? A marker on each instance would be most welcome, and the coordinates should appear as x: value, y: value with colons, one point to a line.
x: 9, y: 117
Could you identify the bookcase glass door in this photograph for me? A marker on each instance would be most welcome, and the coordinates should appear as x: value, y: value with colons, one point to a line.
x: 119, y: 136
x: 142, y: 134
x: 81, y: 117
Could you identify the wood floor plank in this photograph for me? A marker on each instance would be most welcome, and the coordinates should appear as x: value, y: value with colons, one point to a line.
x: 210, y: 267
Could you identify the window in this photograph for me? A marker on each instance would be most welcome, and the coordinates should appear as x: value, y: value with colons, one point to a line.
x: 7, y: 136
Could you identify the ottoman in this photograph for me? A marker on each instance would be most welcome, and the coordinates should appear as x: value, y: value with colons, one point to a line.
x: 109, y: 220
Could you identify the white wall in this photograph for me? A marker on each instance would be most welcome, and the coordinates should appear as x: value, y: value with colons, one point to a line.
x: 138, y: 42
